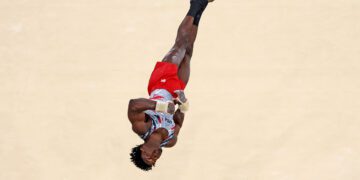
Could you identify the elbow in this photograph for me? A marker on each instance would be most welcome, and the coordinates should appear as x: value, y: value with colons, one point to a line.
x: 132, y: 106
x: 131, y: 101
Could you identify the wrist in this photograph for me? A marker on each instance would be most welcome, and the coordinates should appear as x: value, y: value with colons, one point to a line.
x: 184, y: 107
x: 161, y: 106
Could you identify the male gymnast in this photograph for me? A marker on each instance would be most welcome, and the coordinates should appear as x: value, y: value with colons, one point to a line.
x: 155, y: 119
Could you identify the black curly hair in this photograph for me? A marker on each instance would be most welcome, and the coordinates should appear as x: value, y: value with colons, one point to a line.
x: 136, y: 158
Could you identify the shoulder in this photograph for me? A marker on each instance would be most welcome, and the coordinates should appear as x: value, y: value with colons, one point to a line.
x: 139, y: 128
x: 172, y: 142
x: 139, y: 123
x: 136, y: 117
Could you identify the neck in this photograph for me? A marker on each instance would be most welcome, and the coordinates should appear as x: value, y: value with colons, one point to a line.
x: 154, y: 141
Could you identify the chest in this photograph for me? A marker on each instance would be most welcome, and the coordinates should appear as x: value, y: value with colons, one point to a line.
x: 163, y: 132
x: 160, y: 123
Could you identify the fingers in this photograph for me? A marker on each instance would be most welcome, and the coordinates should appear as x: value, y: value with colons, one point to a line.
x: 176, y: 101
x: 182, y: 101
x: 171, y: 108
x: 181, y: 95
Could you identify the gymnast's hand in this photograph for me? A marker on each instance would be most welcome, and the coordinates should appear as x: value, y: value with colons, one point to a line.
x: 171, y: 108
x: 181, y: 97
x: 182, y: 101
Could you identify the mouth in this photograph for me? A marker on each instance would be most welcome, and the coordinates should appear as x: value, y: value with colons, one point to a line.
x: 150, y: 163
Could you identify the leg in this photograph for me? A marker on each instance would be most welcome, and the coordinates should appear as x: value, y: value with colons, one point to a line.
x: 184, y: 68
x: 180, y: 54
x: 185, y: 38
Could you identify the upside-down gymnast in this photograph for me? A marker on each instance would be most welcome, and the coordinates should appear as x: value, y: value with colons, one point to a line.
x: 155, y: 119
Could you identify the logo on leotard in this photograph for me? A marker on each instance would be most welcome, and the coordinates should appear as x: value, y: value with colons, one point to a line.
x: 167, y: 120
x: 163, y: 80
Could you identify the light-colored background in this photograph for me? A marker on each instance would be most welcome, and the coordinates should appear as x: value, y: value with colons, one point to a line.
x: 275, y: 89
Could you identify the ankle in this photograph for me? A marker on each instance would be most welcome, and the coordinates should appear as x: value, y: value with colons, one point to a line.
x: 197, y: 7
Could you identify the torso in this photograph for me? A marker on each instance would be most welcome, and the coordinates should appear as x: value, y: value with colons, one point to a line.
x: 160, y: 121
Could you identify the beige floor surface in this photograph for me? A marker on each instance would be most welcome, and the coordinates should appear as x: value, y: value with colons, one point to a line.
x: 275, y: 89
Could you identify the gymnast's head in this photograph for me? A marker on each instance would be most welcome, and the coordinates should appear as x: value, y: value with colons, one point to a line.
x: 145, y: 157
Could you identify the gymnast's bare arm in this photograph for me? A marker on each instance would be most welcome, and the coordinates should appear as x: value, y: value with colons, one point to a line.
x: 178, y: 119
x: 137, y: 107
x: 136, y: 113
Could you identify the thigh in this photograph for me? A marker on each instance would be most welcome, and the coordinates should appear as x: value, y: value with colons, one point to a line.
x: 184, y: 69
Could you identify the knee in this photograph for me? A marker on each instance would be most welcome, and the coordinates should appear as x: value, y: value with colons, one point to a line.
x: 181, y: 43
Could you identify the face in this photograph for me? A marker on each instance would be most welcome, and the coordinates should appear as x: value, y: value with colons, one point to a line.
x: 150, y: 156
